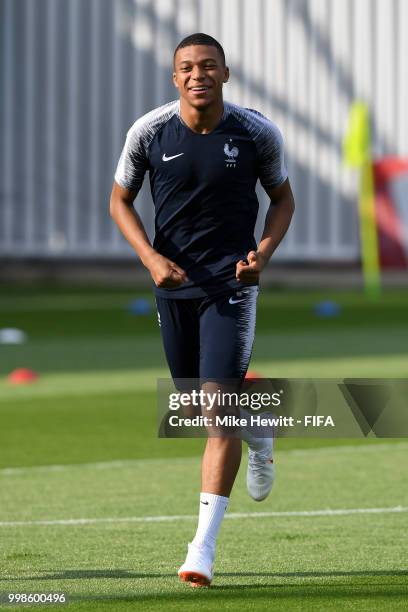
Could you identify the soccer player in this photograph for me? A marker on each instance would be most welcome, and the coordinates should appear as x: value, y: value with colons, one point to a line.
x: 204, y: 157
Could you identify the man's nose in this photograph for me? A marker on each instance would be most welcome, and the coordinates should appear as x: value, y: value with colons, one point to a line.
x: 197, y: 73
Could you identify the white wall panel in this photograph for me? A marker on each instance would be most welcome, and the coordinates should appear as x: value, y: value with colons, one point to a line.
x: 75, y: 74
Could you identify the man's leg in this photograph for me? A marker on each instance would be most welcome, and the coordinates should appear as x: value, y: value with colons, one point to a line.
x: 227, y: 328
x: 180, y: 331
x: 227, y: 331
x: 220, y: 465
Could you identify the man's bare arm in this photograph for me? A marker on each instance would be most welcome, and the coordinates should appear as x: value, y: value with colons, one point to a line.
x: 277, y: 221
x: 164, y: 272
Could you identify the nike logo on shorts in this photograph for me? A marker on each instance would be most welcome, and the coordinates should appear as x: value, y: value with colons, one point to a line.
x: 238, y: 295
x: 165, y: 158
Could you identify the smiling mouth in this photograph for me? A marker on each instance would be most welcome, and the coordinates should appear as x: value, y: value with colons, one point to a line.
x: 199, y: 89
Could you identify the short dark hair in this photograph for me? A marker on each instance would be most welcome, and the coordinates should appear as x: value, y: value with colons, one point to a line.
x: 200, y: 39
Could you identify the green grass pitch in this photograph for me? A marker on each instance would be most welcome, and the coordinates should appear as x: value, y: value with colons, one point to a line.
x: 80, y: 445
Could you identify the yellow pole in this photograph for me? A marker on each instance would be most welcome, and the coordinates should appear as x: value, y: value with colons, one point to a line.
x: 357, y: 154
x: 368, y: 232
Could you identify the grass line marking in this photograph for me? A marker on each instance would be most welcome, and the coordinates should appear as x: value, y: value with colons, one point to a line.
x: 189, y: 517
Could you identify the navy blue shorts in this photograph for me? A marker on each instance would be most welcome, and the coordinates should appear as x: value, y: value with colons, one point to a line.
x: 209, y: 337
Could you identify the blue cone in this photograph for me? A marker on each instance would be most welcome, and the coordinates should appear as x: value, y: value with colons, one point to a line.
x: 140, y: 307
x: 327, y: 309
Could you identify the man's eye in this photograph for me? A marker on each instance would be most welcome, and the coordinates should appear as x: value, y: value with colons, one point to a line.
x: 210, y: 66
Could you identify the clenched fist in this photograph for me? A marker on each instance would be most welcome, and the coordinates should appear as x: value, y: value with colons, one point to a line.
x: 165, y: 273
x: 248, y: 273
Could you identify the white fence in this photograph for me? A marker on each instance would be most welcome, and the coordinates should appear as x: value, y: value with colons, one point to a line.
x: 75, y: 74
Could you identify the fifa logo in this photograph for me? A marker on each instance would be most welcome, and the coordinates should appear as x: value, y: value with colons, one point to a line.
x: 231, y: 155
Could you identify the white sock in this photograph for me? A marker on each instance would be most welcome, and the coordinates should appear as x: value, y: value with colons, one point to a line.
x: 212, y: 510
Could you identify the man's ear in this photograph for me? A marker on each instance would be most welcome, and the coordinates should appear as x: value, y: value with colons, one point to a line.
x: 227, y: 74
x: 175, y: 81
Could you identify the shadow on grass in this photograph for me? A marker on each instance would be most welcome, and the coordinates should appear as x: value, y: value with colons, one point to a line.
x: 390, y: 586
x: 121, y: 573
x: 321, y: 594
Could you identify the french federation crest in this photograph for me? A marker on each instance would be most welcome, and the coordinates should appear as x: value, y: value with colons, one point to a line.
x: 231, y: 154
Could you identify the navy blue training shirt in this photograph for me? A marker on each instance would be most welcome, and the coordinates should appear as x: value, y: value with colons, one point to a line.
x: 203, y: 189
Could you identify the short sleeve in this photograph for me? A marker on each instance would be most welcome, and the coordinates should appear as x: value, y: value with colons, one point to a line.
x: 271, y: 156
x: 133, y: 161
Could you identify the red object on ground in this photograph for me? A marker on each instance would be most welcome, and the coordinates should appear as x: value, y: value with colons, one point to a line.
x: 252, y: 375
x: 22, y: 376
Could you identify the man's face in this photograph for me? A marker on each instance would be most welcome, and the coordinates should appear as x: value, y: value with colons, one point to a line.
x: 199, y: 74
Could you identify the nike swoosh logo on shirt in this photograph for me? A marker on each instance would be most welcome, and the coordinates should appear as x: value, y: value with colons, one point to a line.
x: 232, y: 301
x: 205, y: 503
x: 165, y: 158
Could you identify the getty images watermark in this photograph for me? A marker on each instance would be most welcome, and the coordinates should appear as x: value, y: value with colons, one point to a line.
x: 327, y: 408
x: 210, y: 402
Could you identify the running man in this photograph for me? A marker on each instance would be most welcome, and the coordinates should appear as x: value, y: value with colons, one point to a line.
x: 204, y: 157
